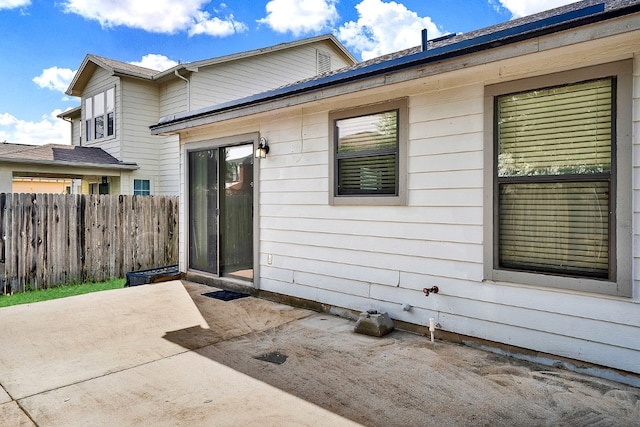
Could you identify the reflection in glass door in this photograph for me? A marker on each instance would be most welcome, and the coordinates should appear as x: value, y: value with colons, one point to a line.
x: 236, y: 212
x: 203, y: 205
x: 221, y: 216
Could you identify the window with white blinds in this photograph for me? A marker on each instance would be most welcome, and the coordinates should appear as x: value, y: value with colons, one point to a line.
x: 554, y: 168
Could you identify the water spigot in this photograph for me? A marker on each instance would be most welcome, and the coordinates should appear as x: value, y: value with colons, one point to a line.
x: 431, y: 290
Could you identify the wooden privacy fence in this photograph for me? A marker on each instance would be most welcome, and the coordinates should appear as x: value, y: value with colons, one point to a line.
x: 52, y: 239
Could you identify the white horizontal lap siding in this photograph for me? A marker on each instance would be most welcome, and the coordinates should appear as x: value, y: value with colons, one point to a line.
x: 349, y: 249
x: 366, y: 256
x: 592, y: 328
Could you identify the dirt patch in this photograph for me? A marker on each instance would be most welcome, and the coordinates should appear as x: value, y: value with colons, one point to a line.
x: 402, y: 379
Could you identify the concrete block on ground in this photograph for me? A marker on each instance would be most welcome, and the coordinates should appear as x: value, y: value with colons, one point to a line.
x: 374, y: 323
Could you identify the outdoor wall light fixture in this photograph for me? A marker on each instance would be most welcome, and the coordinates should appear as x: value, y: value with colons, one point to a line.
x: 263, y: 149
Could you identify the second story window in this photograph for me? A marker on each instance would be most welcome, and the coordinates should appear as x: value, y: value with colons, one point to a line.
x: 99, y: 113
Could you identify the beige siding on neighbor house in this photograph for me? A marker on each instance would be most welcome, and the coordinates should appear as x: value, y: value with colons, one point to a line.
x: 100, y: 81
x: 140, y: 106
x: 173, y: 96
x: 76, y: 132
x: 237, y: 79
x: 364, y: 257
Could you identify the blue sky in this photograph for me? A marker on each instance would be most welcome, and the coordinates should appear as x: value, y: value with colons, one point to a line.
x: 43, y: 43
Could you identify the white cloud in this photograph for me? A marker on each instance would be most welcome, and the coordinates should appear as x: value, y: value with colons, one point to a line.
x: 161, y: 16
x: 215, y: 26
x: 49, y: 130
x: 13, y: 4
x: 155, y: 62
x: 300, y: 16
x: 520, y: 8
x: 384, y: 28
x: 55, y: 78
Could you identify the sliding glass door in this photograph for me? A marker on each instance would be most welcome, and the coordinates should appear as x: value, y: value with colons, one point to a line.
x: 221, y: 211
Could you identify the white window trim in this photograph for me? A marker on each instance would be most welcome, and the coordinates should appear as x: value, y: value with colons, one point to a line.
x: 403, y: 140
x: 133, y: 185
x: 622, y: 284
x: 92, y: 118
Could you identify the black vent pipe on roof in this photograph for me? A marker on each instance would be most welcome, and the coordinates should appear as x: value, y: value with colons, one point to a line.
x: 424, y: 39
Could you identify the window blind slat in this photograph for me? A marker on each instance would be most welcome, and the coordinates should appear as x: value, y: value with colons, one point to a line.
x: 556, y: 131
x: 558, y: 225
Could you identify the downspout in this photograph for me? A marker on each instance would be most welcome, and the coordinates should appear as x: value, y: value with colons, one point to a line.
x: 178, y: 75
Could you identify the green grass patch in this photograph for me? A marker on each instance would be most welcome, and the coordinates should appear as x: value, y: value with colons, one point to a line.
x: 59, y: 292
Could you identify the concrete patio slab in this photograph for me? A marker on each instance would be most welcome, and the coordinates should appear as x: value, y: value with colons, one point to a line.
x: 165, y: 354
x: 12, y: 415
x: 65, y: 341
x: 186, y: 389
x: 4, y: 397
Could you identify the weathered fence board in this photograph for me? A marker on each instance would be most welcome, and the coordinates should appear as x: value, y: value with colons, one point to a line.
x: 52, y: 239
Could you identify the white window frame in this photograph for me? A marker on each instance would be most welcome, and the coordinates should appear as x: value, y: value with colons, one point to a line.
x: 107, y: 108
x: 133, y: 186
x: 620, y: 283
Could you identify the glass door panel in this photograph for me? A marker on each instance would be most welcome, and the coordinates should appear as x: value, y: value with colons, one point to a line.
x: 236, y: 211
x: 203, y: 206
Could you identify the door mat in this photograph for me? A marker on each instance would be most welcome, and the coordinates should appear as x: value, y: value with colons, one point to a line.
x: 225, y: 295
x: 273, y: 357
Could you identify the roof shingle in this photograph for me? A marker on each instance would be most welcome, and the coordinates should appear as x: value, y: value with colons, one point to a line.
x: 59, y: 153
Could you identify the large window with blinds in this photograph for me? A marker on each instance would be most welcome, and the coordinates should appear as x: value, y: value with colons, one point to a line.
x: 368, y: 152
x: 554, y: 178
x: 557, y: 183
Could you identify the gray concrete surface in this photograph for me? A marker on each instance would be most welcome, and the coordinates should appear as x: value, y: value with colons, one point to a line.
x: 165, y: 354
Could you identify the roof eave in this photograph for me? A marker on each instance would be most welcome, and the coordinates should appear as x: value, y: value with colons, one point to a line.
x: 585, y: 16
x: 57, y: 163
x: 70, y: 113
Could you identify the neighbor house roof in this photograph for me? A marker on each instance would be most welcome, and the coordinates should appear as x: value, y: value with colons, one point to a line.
x: 61, y: 155
x: 72, y: 113
x: 92, y: 62
x: 435, y: 51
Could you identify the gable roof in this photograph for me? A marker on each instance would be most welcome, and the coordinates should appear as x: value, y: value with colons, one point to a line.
x: 61, y: 155
x: 118, y: 68
x: 435, y: 51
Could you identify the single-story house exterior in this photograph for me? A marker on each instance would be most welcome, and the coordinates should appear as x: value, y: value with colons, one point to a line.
x: 497, y: 167
x: 34, y: 168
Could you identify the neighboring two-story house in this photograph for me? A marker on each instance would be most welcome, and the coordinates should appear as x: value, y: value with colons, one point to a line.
x: 120, y: 101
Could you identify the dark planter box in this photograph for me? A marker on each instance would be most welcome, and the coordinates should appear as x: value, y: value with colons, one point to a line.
x: 154, y: 275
